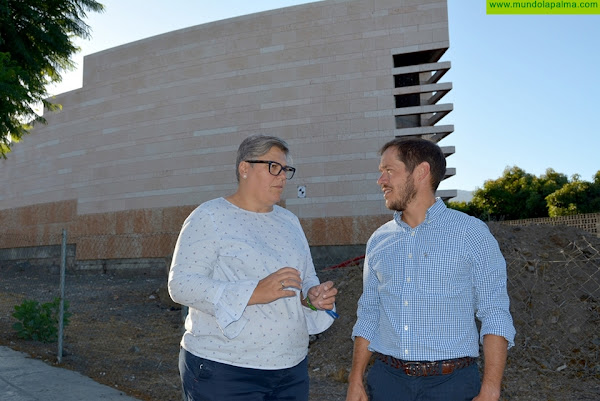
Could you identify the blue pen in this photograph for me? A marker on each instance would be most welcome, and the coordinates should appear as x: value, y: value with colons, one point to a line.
x: 331, y: 313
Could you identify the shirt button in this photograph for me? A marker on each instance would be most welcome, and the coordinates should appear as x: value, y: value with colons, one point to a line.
x: 405, y: 352
x: 412, y: 234
x: 405, y: 328
x: 405, y: 303
x: 408, y: 279
x: 410, y: 255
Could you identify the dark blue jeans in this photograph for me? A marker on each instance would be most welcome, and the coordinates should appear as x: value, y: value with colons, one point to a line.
x: 206, y: 380
x: 385, y: 383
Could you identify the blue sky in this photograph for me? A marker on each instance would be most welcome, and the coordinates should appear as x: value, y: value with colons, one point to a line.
x: 525, y: 87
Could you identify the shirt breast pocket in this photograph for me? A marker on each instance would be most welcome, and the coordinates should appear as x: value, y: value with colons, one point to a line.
x: 443, y: 275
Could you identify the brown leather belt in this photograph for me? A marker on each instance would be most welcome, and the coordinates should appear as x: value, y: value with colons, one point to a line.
x: 435, y: 368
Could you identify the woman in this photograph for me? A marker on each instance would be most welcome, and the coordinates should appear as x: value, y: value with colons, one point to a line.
x: 243, y: 267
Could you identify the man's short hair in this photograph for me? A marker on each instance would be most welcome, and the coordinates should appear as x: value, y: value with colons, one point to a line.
x: 414, y: 151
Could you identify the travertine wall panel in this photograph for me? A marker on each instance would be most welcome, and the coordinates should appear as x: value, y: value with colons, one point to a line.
x: 151, y: 233
x: 157, y: 122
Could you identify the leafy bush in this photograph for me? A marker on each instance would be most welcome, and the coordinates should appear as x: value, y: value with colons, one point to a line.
x: 39, y: 322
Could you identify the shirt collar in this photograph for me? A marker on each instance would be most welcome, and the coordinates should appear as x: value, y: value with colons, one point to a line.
x: 432, y: 213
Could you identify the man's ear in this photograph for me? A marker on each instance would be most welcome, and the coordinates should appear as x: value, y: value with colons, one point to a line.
x: 423, y: 171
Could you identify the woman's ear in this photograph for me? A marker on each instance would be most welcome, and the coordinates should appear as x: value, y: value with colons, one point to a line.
x: 243, y: 170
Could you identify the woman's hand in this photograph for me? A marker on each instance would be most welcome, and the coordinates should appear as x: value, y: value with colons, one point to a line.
x: 322, y: 296
x: 276, y: 285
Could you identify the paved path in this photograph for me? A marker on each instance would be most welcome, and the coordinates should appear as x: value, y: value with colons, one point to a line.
x: 25, y: 379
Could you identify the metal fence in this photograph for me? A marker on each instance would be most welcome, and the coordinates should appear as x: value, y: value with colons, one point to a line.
x: 554, y: 291
x: 555, y: 304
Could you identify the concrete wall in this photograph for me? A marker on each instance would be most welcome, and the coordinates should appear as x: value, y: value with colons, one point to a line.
x: 154, y: 129
x: 139, y: 240
x: 143, y: 233
x: 48, y: 257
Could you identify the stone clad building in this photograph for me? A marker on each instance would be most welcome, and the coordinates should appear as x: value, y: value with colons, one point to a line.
x: 154, y: 129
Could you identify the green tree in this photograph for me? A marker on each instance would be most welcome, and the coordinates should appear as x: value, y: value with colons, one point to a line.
x: 515, y: 195
x: 543, y: 186
x: 519, y: 195
x: 575, y: 197
x: 551, y: 181
x: 36, y: 45
x: 468, y: 208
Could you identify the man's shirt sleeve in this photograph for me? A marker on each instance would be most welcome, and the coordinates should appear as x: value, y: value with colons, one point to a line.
x: 489, y: 282
x: 367, y: 313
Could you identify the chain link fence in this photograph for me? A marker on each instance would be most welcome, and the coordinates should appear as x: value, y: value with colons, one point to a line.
x: 116, y: 254
x: 555, y: 304
x: 553, y: 282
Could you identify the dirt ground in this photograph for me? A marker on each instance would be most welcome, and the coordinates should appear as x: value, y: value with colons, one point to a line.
x: 124, y: 331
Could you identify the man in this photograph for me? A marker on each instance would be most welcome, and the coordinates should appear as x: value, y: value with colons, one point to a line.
x: 427, y: 274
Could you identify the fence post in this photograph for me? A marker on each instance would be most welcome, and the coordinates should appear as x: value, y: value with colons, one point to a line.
x: 61, y: 308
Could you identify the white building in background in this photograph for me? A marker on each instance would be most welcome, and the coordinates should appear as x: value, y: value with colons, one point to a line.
x: 154, y: 129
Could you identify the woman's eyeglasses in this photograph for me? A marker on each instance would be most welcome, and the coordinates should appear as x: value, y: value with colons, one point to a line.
x: 276, y: 168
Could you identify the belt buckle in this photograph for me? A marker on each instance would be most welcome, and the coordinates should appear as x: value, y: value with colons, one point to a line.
x: 449, y: 367
x: 413, y: 368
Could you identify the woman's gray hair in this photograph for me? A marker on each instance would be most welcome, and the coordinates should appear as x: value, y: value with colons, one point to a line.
x: 255, y: 146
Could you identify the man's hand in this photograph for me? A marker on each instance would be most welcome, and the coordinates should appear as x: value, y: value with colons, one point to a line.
x: 356, y: 392
x: 488, y: 394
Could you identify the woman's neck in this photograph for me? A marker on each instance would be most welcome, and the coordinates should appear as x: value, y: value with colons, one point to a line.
x: 246, y: 203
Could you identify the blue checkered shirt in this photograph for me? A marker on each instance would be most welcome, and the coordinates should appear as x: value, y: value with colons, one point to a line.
x: 423, y: 287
